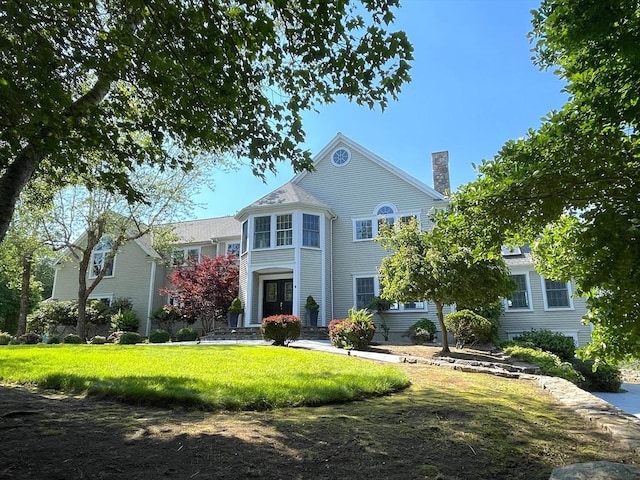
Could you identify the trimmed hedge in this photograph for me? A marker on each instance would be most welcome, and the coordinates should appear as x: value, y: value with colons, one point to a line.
x: 424, y: 330
x: 129, y: 338
x: 159, y: 336
x: 72, y: 338
x: 468, y: 327
x: 354, y: 332
x: 549, y: 341
x: 281, y: 329
x: 186, y: 334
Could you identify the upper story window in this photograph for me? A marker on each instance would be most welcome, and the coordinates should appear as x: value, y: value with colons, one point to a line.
x: 510, y: 251
x: 556, y: 294
x: 385, y: 213
x: 363, y: 229
x: 284, y: 230
x: 341, y: 157
x: 186, y: 256
x: 101, y: 258
x: 262, y: 232
x: 244, y: 239
x: 233, y: 249
x: 521, y: 296
x: 310, y: 230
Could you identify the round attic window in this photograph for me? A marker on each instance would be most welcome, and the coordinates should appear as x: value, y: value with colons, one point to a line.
x: 341, y: 157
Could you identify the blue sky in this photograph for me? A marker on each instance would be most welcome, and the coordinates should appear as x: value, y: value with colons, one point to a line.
x: 473, y: 88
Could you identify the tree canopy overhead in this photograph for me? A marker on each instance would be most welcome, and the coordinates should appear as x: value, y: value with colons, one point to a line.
x: 229, y: 77
x: 577, y: 177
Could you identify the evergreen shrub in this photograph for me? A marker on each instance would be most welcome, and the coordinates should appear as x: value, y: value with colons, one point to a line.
x: 281, y: 329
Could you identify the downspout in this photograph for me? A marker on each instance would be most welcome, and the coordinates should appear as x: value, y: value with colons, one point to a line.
x: 333, y: 299
x: 150, y: 303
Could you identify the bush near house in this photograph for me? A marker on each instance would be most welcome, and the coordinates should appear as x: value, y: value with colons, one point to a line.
x: 424, y: 330
x: 604, y: 378
x: 281, y: 329
x: 166, y: 317
x: 51, y: 315
x: 556, y: 343
x: 354, y: 332
x: 125, y: 321
x: 98, y: 340
x: 186, y: 334
x: 468, y: 327
x: 72, y: 338
x: 5, y: 338
x: 129, y: 338
x: 53, y: 339
x: 30, y: 338
x: 159, y: 336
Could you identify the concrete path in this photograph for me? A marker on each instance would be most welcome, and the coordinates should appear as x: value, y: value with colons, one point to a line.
x: 628, y: 401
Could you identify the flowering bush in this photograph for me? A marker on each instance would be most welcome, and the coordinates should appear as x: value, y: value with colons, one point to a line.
x: 354, y: 332
x: 282, y: 329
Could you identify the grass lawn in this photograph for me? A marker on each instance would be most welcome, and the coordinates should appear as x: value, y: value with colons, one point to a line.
x: 211, y: 377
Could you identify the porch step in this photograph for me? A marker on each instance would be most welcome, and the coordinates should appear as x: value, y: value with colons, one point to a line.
x: 253, y: 333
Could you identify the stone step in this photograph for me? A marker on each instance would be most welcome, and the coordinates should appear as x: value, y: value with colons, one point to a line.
x: 253, y: 333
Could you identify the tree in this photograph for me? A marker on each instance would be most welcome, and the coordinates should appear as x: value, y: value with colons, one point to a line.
x: 435, y: 266
x: 576, y: 179
x: 93, y: 225
x: 204, y: 291
x: 121, y: 78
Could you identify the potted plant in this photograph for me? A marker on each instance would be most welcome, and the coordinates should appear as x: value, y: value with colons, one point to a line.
x: 235, y: 309
x: 312, y: 308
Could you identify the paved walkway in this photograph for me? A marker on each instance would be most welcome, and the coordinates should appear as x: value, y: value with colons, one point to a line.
x: 628, y: 401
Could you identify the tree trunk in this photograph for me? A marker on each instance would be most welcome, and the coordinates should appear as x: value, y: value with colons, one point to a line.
x: 27, y: 262
x: 443, y: 328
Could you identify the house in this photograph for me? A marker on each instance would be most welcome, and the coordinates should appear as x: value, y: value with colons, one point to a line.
x: 314, y: 236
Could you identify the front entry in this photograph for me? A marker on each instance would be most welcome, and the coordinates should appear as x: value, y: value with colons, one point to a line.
x: 278, y: 297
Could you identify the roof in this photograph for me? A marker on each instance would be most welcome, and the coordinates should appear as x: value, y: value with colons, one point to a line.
x: 288, y: 194
x: 205, y: 230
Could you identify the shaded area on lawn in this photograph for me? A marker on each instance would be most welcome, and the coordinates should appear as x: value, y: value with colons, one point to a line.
x: 448, y: 425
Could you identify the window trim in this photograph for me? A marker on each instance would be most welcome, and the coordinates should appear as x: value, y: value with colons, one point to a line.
x: 508, y: 309
x: 106, y: 252
x: 375, y: 221
x: 244, y: 237
x: 376, y: 286
x: 278, y: 219
x: 547, y: 308
x: 346, y: 162
x: 303, y: 230
x: 185, y: 255
x: 100, y: 296
x: 402, y: 309
x: 236, y: 252
x: 255, y: 232
x: 355, y: 230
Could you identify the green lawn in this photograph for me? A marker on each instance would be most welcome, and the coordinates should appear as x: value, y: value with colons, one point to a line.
x: 211, y: 377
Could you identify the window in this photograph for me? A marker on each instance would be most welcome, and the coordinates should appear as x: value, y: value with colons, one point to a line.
x: 408, y: 306
x: 245, y: 234
x: 520, y: 298
x: 310, y: 230
x: 341, y: 157
x: 101, y: 258
x: 185, y: 256
x: 233, y: 249
x: 262, y: 232
x: 510, y: 251
x: 284, y: 230
x: 557, y: 294
x: 365, y: 291
x: 106, y: 299
x: 363, y: 229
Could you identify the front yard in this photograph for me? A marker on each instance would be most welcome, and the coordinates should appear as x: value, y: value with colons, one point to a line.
x: 447, y: 425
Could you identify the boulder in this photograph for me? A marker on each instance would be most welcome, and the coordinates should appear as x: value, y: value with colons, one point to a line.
x: 596, y: 471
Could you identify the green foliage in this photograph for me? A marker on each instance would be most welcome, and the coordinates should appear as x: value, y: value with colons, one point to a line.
x: 281, y: 329
x: 159, y: 336
x: 72, y: 338
x: 98, y: 340
x: 121, y: 305
x: 236, y: 306
x: 53, y: 339
x: 129, y: 338
x: 439, y: 266
x: 424, y: 330
x: 217, y: 376
x: 379, y: 304
x: 549, y: 363
x: 125, y: 321
x: 30, y: 338
x: 311, y: 304
x: 468, y: 327
x: 186, y: 334
x: 166, y: 317
x: 554, y: 342
x: 53, y: 314
x: 354, y: 332
x: 598, y: 377
x: 584, y: 230
x: 5, y: 338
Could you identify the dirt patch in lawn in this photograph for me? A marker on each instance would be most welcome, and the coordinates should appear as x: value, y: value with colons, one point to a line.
x: 448, y: 425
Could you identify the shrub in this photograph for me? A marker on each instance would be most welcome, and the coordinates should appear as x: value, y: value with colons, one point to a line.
x: 72, y: 338
x: 5, y: 338
x: 121, y: 305
x: 98, y: 340
x: 14, y: 341
x: 30, y: 338
x: 549, y: 363
x: 186, y: 334
x: 159, y: 336
x: 424, y: 330
x: 605, y: 378
x: 125, y: 321
x: 53, y: 339
x: 354, y: 332
x: 549, y: 341
x: 166, y: 317
x: 468, y: 327
x: 282, y: 329
x: 129, y: 338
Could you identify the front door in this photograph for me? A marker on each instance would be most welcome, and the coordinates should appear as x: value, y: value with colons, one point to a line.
x: 278, y: 297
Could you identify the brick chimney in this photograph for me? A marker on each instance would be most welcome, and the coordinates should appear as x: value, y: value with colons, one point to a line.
x: 441, y: 182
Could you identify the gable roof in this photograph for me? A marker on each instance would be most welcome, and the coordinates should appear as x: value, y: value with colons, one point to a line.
x: 205, y: 230
x: 288, y: 194
x: 343, y: 139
